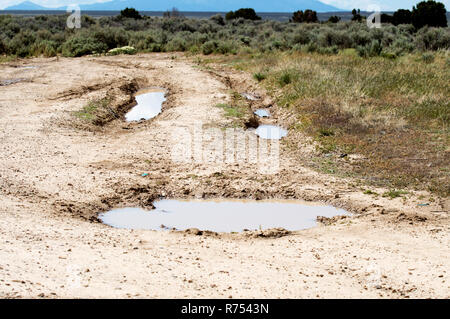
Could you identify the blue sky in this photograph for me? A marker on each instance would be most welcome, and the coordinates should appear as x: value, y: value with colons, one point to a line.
x: 343, y: 4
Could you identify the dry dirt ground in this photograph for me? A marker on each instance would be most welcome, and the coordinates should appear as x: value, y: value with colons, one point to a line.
x: 57, y: 172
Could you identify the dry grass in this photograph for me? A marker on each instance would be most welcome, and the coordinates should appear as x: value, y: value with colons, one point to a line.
x: 393, y: 112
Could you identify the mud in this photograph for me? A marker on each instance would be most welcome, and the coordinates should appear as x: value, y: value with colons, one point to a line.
x: 57, y: 173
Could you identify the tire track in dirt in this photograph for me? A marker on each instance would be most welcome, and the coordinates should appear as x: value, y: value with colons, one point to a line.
x: 52, y: 172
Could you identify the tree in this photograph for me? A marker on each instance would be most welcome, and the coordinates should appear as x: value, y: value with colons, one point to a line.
x: 430, y: 13
x: 218, y: 19
x: 356, y: 15
x: 307, y: 16
x: 334, y: 19
x: 386, y: 18
x: 130, y: 13
x: 246, y: 13
x: 401, y: 16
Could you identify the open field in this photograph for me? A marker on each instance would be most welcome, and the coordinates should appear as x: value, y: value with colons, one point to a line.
x: 66, y: 155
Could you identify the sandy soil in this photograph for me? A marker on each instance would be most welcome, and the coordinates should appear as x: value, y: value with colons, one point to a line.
x: 57, y: 173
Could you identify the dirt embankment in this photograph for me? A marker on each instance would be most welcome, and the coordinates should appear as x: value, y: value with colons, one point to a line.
x: 58, y: 170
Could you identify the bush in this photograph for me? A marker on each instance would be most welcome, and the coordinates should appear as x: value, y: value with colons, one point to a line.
x: 370, y: 50
x: 429, y: 13
x: 402, y: 16
x: 122, y: 50
x: 308, y: 16
x: 130, y: 13
x: 334, y: 19
x: 428, y: 57
x: 246, y: 13
x: 209, y: 47
x: 80, y: 45
x: 218, y: 19
x: 432, y: 39
x: 259, y: 76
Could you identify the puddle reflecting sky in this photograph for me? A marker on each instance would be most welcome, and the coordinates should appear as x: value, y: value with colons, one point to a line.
x: 262, y: 113
x: 271, y: 132
x: 221, y: 215
x: 149, y: 104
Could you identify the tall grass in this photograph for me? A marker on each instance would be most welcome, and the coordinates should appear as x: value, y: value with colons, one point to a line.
x: 395, y: 112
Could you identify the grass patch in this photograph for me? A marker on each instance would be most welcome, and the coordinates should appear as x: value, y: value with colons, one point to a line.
x: 394, y: 194
x: 393, y: 113
x: 258, y: 76
x: 90, y: 111
x: 231, y: 111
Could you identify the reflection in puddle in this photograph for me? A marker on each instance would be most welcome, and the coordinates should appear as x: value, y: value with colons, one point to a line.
x: 149, y: 104
x: 271, y: 132
x: 262, y: 113
x: 221, y: 215
x: 10, y: 81
x: 250, y: 97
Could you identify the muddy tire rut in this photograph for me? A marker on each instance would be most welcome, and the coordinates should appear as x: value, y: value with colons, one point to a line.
x: 58, y: 172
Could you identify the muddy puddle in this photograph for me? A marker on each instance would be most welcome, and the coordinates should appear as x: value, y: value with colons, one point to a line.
x: 10, y: 81
x: 262, y: 113
x: 221, y: 215
x: 270, y: 132
x: 149, y: 104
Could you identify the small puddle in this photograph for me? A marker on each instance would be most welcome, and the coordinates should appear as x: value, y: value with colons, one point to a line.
x: 250, y: 97
x: 10, y: 81
x: 149, y: 104
x: 221, y: 215
x: 270, y: 132
x: 262, y: 113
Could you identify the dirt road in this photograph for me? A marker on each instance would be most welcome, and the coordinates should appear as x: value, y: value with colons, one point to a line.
x: 57, y: 173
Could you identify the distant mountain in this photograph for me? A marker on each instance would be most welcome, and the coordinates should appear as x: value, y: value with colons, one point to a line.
x: 195, y: 5
x: 27, y: 5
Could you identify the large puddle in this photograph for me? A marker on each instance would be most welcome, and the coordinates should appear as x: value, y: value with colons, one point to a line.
x: 271, y: 132
x: 149, y: 104
x: 221, y: 215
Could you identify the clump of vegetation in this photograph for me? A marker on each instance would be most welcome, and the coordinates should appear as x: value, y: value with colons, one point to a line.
x: 24, y: 36
x: 231, y: 111
x: 334, y: 19
x: 258, y: 76
x: 89, y: 111
x: 308, y: 16
x: 130, y: 13
x: 244, y: 13
x: 426, y: 13
x: 394, y: 193
x: 392, y: 113
x: 122, y: 50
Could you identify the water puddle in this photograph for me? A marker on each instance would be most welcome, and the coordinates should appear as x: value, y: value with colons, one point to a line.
x: 149, y: 104
x: 250, y: 97
x: 262, y: 113
x: 221, y: 215
x: 10, y: 81
x: 28, y: 67
x: 271, y: 132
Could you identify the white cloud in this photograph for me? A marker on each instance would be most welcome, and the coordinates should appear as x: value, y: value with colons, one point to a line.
x: 386, y: 5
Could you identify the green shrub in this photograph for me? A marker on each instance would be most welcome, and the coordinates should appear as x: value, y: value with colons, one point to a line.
x: 122, y: 50
x: 209, y: 47
x: 259, y: 76
x: 428, y: 57
x: 78, y: 46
